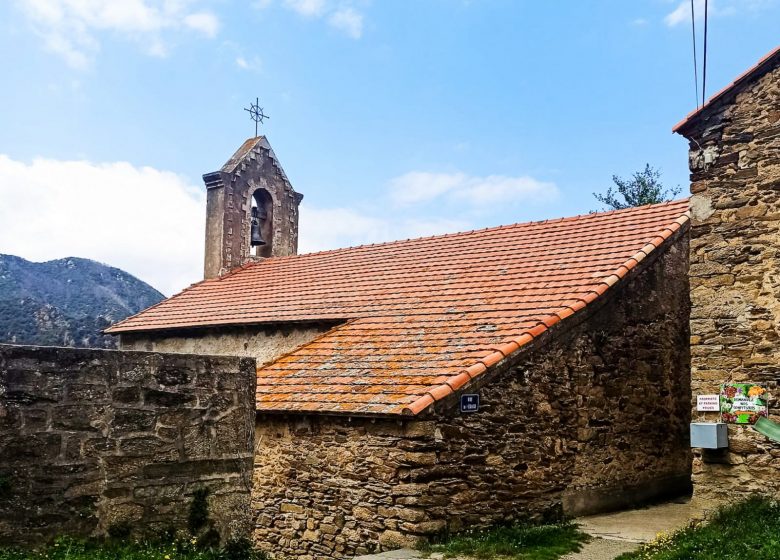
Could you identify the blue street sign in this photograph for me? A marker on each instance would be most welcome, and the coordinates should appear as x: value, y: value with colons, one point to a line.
x: 469, y: 403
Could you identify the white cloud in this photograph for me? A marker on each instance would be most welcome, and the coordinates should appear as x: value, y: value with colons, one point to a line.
x: 721, y: 8
x: 72, y: 50
x: 70, y: 28
x: 252, y: 64
x: 205, y: 22
x: 143, y: 220
x: 308, y: 8
x: 347, y: 20
x: 332, y: 228
x: 420, y: 186
x: 682, y: 13
x: 340, y: 16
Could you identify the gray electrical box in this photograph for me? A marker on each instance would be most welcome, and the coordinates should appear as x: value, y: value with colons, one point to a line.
x: 709, y: 435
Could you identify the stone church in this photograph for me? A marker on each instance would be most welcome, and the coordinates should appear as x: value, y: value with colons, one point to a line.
x: 408, y: 388
x: 420, y: 386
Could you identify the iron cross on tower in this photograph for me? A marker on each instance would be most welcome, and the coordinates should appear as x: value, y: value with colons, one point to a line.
x: 256, y: 113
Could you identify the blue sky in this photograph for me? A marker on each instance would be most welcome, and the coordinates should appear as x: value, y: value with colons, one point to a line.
x: 395, y: 118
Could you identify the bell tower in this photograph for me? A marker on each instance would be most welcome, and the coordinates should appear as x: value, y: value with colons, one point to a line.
x: 251, y: 210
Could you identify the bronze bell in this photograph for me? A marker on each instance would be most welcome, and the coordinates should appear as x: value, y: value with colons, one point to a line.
x: 256, y: 238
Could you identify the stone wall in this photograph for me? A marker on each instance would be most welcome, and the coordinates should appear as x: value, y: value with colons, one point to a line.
x: 735, y: 276
x: 93, y: 438
x: 264, y: 343
x: 594, y: 417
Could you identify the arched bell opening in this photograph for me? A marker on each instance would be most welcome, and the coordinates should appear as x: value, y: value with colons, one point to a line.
x: 261, y: 224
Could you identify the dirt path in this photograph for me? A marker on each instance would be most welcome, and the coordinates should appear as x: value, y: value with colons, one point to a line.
x: 614, y: 533
x: 402, y: 554
x: 641, y: 525
x: 601, y: 549
x: 624, y: 531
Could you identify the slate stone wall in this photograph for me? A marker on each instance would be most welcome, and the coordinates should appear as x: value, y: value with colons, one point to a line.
x: 593, y: 418
x: 93, y: 438
x: 735, y: 278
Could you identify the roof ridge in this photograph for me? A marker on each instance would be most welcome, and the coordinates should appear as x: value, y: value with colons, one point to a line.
x: 472, y: 231
x: 483, y: 364
x: 485, y: 246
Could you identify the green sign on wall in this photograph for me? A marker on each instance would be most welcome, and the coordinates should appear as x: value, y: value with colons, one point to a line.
x: 742, y: 403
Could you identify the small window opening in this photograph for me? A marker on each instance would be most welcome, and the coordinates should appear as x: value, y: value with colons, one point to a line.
x: 261, y: 224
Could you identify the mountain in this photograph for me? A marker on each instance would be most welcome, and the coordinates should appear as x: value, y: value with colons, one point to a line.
x: 66, y: 302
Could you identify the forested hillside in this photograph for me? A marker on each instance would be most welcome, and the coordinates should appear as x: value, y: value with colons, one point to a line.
x: 67, y: 302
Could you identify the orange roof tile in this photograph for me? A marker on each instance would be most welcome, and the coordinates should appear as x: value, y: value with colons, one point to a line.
x: 421, y: 317
x: 761, y: 67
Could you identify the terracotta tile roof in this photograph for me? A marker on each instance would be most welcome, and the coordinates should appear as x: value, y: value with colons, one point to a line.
x: 422, y: 317
x: 762, y: 66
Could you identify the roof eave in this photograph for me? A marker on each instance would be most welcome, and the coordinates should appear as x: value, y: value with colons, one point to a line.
x: 523, y: 342
x: 188, y: 329
x: 766, y: 64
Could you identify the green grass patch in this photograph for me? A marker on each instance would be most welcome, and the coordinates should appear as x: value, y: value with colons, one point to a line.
x: 749, y: 530
x: 521, y: 542
x: 111, y: 549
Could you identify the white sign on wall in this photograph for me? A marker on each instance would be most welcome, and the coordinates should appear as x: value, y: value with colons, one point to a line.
x: 708, y: 403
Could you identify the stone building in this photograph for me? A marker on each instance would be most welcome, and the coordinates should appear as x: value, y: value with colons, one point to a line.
x: 735, y: 268
x: 413, y: 387
x: 378, y: 395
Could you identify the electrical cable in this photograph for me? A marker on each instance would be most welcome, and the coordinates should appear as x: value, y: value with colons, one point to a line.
x: 695, y: 63
x: 704, y: 69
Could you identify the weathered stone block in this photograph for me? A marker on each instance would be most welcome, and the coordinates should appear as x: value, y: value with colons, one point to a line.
x: 126, y: 395
x: 133, y: 420
x: 166, y: 399
x: 394, y: 539
x: 80, y: 417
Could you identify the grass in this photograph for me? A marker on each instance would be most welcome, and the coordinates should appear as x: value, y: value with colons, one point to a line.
x: 521, y: 542
x: 749, y: 529
x: 72, y: 549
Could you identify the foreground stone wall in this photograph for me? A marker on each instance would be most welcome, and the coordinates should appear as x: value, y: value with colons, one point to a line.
x: 264, y: 343
x: 735, y: 277
x: 93, y: 438
x: 593, y: 418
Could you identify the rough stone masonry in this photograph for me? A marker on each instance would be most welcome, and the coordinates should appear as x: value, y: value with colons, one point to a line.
x: 90, y: 439
x: 735, y: 273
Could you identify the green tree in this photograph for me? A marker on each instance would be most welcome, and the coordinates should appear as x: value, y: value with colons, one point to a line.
x: 643, y: 187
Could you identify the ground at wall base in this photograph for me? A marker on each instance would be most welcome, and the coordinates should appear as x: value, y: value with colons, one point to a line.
x: 613, y: 533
